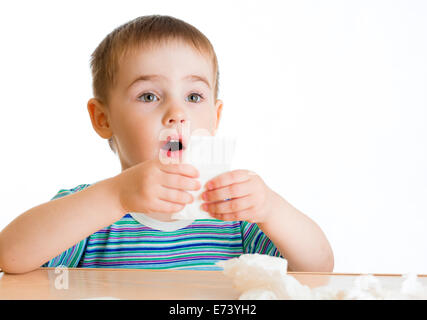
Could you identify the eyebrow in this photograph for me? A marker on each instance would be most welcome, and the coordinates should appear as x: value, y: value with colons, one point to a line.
x: 150, y: 77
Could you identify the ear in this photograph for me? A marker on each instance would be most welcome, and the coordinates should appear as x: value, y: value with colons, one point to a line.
x: 99, y: 118
x: 218, y: 107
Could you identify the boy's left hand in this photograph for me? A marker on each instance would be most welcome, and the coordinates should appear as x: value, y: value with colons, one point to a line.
x: 250, y: 198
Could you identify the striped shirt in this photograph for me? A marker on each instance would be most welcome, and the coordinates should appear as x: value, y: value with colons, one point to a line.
x: 129, y: 244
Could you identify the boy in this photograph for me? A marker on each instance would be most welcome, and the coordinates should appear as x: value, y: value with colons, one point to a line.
x: 152, y: 74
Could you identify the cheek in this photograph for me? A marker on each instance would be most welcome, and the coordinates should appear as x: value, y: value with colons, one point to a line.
x: 204, y: 120
x: 137, y: 131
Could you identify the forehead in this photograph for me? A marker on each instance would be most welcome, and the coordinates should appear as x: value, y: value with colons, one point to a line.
x: 171, y: 60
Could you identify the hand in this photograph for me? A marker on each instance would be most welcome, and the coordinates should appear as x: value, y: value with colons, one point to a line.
x: 249, y: 197
x: 152, y: 186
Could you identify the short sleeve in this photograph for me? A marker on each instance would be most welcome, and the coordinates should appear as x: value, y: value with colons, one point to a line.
x: 255, y: 241
x: 70, y: 257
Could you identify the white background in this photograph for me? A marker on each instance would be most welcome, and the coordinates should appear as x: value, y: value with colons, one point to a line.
x: 328, y: 100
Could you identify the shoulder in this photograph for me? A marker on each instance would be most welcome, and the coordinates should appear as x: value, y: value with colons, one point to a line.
x: 66, y: 191
x: 77, y: 188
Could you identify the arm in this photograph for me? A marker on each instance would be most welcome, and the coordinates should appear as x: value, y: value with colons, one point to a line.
x: 298, y: 238
x: 295, y: 235
x: 46, y: 230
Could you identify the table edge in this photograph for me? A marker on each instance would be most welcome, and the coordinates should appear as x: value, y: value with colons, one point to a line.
x: 220, y: 271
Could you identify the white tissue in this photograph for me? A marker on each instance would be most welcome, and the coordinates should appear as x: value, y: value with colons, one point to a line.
x: 366, y: 287
x: 265, y: 277
x: 258, y: 294
x: 412, y: 287
x: 258, y: 275
x: 211, y: 156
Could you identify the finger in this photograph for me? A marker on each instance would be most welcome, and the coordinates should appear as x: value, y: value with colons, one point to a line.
x: 233, y: 205
x: 184, y: 169
x: 176, y: 196
x: 236, y: 190
x: 176, y: 181
x: 230, y: 177
x: 168, y: 207
x: 244, y: 215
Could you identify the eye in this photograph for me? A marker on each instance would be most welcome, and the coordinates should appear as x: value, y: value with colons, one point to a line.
x: 195, y: 97
x: 147, y: 97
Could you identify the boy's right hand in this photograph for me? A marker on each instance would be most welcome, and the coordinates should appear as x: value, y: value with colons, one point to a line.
x: 152, y: 186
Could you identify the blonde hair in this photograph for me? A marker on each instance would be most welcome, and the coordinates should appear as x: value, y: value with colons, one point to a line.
x: 144, y: 31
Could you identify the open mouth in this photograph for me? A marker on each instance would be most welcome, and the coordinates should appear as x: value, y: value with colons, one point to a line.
x: 173, y: 146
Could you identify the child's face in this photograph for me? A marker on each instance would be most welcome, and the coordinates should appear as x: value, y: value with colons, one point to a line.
x: 165, y: 97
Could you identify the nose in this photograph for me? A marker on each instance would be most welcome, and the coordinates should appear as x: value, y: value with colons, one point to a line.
x: 175, y: 116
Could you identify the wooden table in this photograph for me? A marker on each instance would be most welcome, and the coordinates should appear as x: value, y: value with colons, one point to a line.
x: 87, y: 283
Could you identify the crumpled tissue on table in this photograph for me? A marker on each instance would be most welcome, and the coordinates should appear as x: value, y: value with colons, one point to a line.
x: 263, y: 277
